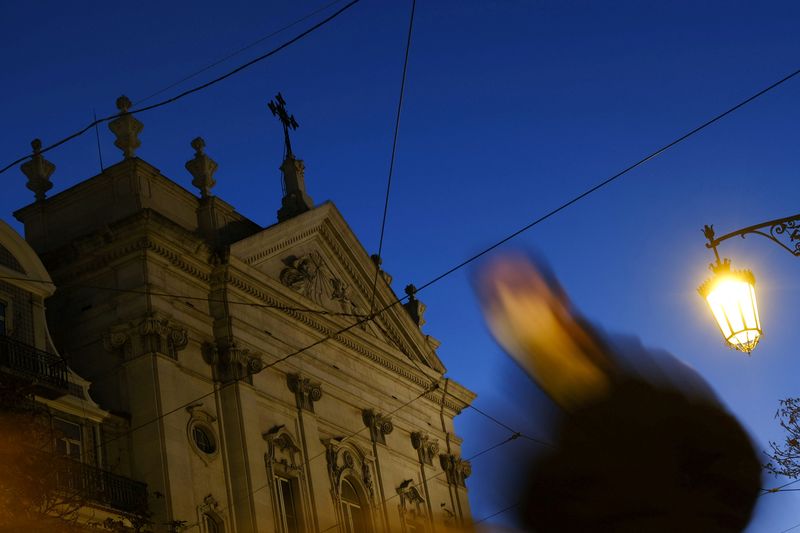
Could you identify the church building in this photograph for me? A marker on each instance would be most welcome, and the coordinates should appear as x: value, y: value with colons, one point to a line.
x: 259, y: 379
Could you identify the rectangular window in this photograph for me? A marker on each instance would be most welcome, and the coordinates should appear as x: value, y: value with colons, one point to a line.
x: 288, y: 518
x: 69, y: 439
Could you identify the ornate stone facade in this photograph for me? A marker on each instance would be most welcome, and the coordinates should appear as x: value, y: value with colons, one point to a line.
x: 243, y: 354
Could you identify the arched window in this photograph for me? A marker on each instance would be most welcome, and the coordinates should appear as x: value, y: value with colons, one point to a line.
x: 354, y: 512
x: 212, y: 524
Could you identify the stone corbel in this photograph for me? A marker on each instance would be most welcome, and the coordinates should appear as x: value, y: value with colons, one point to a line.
x: 426, y: 447
x: 238, y: 363
x: 456, y: 468
x: 305, y: 392
x: 378, y: 424
x: 151, y: 333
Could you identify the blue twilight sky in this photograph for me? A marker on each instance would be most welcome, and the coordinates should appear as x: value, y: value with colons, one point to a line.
x: 511, y: 108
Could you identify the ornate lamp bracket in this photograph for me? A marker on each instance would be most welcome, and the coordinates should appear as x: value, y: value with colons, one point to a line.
x: 785, y: 232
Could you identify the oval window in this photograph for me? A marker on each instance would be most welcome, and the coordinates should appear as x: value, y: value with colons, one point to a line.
x: 204, y: 439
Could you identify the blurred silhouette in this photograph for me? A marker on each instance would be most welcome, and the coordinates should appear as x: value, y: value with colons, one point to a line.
x: 643, y: 445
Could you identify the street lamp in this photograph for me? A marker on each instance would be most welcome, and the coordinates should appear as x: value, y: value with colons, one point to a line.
x: 731, y: 294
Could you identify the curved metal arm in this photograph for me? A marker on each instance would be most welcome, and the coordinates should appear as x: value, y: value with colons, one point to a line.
x: 787, y: 228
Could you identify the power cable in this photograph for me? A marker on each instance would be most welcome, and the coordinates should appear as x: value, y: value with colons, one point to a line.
x: 189, y: 91
x: 611, y: 179
x: 511, y: 438
x: 512, y: 430
x: 245, y: 375
x: 496, y: 513
x: 239, y: 51
x: 193, y: 298
x: 307, y: 462
x: 394, y: 151
x: 791, y: 528
x: 463, y: 263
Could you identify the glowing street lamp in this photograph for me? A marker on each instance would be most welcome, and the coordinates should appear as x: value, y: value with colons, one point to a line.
x: 731, y: 294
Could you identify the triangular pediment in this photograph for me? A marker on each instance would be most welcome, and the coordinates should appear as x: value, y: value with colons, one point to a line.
x: 317, y: 257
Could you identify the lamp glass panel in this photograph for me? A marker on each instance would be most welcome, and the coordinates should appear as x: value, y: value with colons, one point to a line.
x: 733, y: 303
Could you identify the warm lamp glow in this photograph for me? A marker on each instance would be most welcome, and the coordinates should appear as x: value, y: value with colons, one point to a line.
x: 731, y: 296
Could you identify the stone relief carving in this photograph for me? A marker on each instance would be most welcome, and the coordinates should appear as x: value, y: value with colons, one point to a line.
x: 456, y: 469
x: 411, y: 506
x: 283, y: 455
x: 305, y: 392
x: 153, y: 332
x: 311, y: 277
x: 378, y: 424
x: 426, y: 447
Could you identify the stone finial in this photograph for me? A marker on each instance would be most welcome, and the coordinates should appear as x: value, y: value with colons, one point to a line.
x: 415, y: 308
x: 126, y: 128
x: 376, y: 259
x: 296, y: 200
x: 202, y: 168
x: 38, y: 170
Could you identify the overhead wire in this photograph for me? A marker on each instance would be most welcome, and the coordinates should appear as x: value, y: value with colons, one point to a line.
x: 438, y: 474
x: 611, y: 179
x: 307, y: 462
x: 461, y: 264
x: 238, y: 51
x: 188, y: 91
x: 191, y: 298
x: 496, y: 513
x: 517, y: 232
x: 394, y: 151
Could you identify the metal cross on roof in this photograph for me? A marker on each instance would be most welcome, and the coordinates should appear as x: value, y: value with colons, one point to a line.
x: 278, y: 108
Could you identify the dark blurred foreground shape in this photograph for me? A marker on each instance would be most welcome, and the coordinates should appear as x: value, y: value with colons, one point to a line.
x: 641, y: 446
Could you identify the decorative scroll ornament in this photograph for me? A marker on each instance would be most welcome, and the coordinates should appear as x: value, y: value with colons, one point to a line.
x: 38, y: 170
x: 379, y: 425
x: 305, y: 392
x: 426, y: 447
x: 788, y: 229
x: 456, y: 468
x: 785, y: 232
x: 126, y: 128
x: 202, y: 168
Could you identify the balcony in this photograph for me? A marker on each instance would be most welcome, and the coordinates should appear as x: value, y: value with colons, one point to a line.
x: 103, y: 487
x: 46, y: 372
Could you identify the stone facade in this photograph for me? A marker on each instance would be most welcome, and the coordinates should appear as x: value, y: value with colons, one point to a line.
x: 261, y: 394
x: 35, y: 379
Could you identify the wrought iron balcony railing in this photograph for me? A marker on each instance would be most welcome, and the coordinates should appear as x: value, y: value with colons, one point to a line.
x: 45, y: 370
x: 103, y: 487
